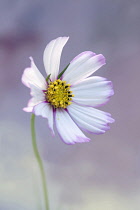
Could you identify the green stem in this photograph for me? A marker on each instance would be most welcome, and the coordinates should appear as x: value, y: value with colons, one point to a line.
x: 40, y: 163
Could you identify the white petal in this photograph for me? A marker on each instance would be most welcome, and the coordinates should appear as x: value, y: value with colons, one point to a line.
x: 90, y: 119
x: 33, y: 76
x: 28, y: 109
x: 93, y: 91
x: 52, y: 55
x: 30, y: 105
x: 83, y: 66
x: 37, y: 97
x: 37, y: 93
x: 67, y: 129
x: 45, y: 110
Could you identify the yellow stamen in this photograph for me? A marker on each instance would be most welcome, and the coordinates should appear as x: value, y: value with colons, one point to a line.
x: 59, y: 94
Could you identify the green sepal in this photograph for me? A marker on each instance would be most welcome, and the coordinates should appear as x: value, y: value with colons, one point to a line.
x: 62, y: 72
x: 48, y: 77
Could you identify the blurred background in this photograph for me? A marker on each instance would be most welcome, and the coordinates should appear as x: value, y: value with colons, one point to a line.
x: 103, y: 174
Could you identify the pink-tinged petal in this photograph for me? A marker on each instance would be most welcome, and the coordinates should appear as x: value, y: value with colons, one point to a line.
x: 83, y: 66
x: 52, y: 55
x: 93, y: 91
x: 30, y: 105
x: 90, y: 119
x: 33, y: 76
x: 45, y: 110
x: 81, y: 58
x: 37, y: 97
x: 67, y: 129
x: 28, y: 109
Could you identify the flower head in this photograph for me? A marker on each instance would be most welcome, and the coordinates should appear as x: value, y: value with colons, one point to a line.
x: 69, y: 99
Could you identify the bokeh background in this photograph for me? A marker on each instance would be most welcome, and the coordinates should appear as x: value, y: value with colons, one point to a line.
x: 105, y: 173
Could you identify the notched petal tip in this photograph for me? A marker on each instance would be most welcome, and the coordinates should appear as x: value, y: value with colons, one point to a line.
x: 83, y: 54
x: 89, y: 119
x: 77, y: 140
x: 32, y: 64
x: 31, y: 58
x: 82, y: 140
x: 65, y: 37
x: 27, y: 109
x: 111, y: 120
x: 101, y: 59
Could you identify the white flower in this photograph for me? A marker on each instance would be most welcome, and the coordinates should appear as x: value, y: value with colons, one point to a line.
x: 70, y: 100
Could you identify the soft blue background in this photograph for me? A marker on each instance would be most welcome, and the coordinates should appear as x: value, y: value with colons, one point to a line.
x: 105, y: 173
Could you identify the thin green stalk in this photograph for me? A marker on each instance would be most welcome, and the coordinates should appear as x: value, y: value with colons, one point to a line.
x: 62, y: 72
x: 40, y: 163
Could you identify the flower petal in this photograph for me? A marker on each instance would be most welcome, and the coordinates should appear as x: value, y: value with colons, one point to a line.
x: 92, y: 91
x: 30, y: 105
x: 52, y: 55
x: 67, y: 129
x: 33, y: 76
x: 45, y: 110
x: 83, y: 66
x: 37, y: 93
x: 37, y: 97
x: 90, y: 119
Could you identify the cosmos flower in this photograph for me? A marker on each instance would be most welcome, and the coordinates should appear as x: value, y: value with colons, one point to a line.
x: 69, y: 99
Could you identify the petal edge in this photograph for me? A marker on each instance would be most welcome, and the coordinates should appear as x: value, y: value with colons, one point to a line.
x: 52, y: 55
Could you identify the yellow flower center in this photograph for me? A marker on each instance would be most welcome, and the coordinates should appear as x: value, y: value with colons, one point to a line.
x: 59, y: 94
